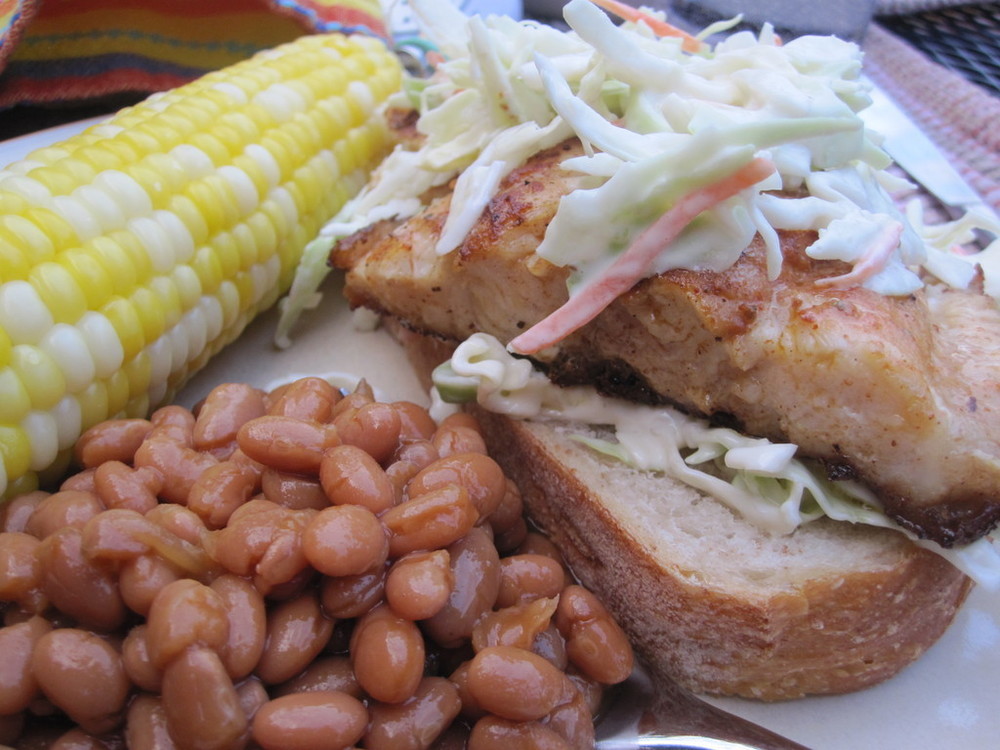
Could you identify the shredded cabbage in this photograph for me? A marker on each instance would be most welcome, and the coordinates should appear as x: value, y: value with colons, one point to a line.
x: 661, y: 120
x: 762, y: 481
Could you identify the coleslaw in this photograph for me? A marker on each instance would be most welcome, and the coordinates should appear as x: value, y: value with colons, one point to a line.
x: 658, y: 122
x: 763, y: 481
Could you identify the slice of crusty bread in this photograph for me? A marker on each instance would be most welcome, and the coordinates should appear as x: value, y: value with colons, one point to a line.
x: 708, y: 599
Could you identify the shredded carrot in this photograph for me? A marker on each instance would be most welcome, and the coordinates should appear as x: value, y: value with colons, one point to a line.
x: 872, y: 261
x: 633, y: 264
x: 658, y: 27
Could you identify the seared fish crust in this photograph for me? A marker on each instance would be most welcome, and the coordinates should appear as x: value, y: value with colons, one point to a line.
x: 902, y: 393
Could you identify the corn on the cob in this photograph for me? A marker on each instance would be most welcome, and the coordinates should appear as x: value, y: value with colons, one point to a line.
x: 132, y: 252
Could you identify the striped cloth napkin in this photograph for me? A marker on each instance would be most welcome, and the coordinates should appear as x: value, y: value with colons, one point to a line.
x: 59, y: 51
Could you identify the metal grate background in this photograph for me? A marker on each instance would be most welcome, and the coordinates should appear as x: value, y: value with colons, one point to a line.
x: 963, y: 38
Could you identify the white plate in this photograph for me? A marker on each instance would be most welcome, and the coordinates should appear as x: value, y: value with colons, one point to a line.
x: 949, y: 699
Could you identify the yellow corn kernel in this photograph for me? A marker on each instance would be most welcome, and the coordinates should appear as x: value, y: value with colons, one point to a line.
x: 59, y: 291
x: 16, y: 402
x: 93, y: 278
x: 15, y: 449
x: 133, y: 251
x: 5, y: 347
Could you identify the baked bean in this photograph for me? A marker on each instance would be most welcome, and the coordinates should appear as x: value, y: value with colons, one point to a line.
x: 117, y: 534
x: 477, y: 473
x: 202, y: 706
x: 292, y: 490
x: 179, y: 464
x: 410, y: 458
x: 118, y: 485
x: 311, y: 399
x: 77, y: 739
x: 510, y: 510
x: 416, y: 723
x: 399, y: 474
x: 261, y: 540
x: 252, y: 695
x: 516, y: 684
x: 475, y: 567
x: 297, y: 631
x: 434, y: 519
x: 419, y: 584
x: 351, y: 596
x: 224, y: 411
x: 591, y: 690
x: 239, y: 457
x: 18, y: 686
x: 471, y: 709
x: 510, y: 538
x: 83, y: 675
x: 360, y: 396
x: 142, y: 578
x: 177, y: 537
x: 328, y: 673
x: 272, y: 396
x: 287, y: 444
x: 146, y: 725
x: 415, y: 423
x: 594, y: 641
x: 175, y: 423
x: 258, y: 504
x: 495, y: 733
x: 243, y: 541
x: 137, y: 662
x: 551, y: 646
x: 310, y: 721
x: 78, y: 587
x: 185, y: 613
x: 527, y: 577
x: 345, y: 540
x: 368, y: 519
x: 247, y: 615
x: 183, y: 523
x: 111, y: 440
x: 350, y: 476
x: 290, y: 589
x: 420, y: 453
x: 64, y: 508
x: 16, y: 512
x: 539, y: 544
x: 20, y: 570
x: 83, y: 482
x: 517, y: 625
x: 461, y: 419
x: 573, y: 721
x: 284, y: 561
x: 452, y: 440
x: 220, y: 490
x: 388, y: 655
x: 373, y: 427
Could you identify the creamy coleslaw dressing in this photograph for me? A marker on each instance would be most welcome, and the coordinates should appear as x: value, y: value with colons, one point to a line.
x: 761, y: 480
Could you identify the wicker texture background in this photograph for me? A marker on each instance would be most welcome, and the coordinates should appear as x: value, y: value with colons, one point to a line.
x: 961, y: 116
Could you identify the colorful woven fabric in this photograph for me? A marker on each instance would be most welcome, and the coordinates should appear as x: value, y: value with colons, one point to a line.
x: 75, y: 50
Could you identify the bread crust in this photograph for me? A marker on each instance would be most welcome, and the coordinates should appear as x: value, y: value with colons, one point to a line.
x: 827, y: 629
x: 831, y: 634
